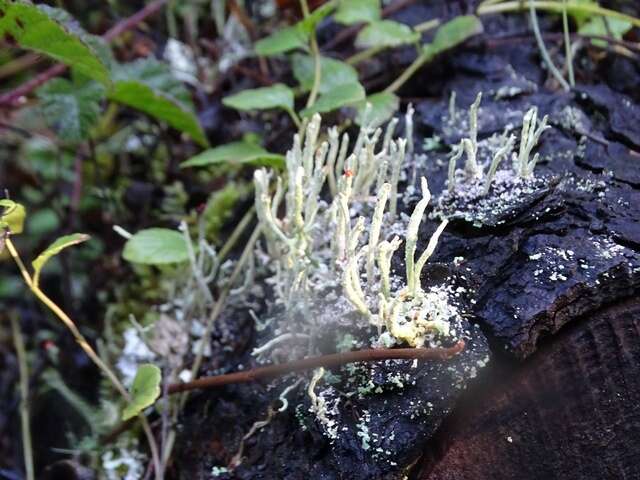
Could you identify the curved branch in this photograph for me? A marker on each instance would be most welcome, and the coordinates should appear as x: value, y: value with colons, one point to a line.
x: 327, y: 361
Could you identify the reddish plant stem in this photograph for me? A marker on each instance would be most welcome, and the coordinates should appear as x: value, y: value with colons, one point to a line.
x: 328, y: 361
x: 132, y: 21
x: 12, y: 98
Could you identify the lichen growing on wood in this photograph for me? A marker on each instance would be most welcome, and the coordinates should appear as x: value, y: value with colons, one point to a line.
x: 346, y: 243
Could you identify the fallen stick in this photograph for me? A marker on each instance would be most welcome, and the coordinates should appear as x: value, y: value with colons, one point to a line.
x: 327, y: 361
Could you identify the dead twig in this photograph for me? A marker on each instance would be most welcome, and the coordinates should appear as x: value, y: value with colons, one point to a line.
x: 328, y: 361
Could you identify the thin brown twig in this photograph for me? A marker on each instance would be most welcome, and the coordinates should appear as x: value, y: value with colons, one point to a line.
x: 328, y: 361
x: 18, y: 64
x: 12, y: 98
x: 132, y: 21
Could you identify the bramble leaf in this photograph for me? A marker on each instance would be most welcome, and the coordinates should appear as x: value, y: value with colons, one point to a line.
x: 147, y: 85
x: 309, y: 23
x: 54, y: 249
x: 156, y: 246
x: 236, y: 153
x: 157, y: 75
x: 71, y: 108
x: 144, y: 391
x: 47, y: 30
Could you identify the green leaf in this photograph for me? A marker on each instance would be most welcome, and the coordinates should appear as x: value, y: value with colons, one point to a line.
x: 308, y: 24
x: 54, y: 249
x: 386, y: 33
x: 147, y: 85
x: 383, y: 107
x: 71, y: 108
x: 156, y: 75
x: 144, y: 391
x: 156, y: 246
x: 341, y: 96
x: 43, y: 29
x: 282, y: 41
x: 293, y: 37
x: 578, y: 15
x: 613, y: 27
x: 453, y: 33
x: 275, y: 96
x: 333, y: 72
x: 159, y: 105
x: 358, y: 11
x: 236, y: 153
x: 12, y: 216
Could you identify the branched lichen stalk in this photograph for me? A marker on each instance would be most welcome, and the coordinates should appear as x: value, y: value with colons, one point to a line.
x: 470, y: 144
x: 408, y: 121
x: 452, y: 107
x: 529, y: 137
x: 497, y: 158
x: 388, y: 134
x: 385, y: 253
x: 412, y: 235
x: 397, y: 159
x: 334, y: 146
x: 431, y: 247
x: 374, y: 232
x: 451, y: 182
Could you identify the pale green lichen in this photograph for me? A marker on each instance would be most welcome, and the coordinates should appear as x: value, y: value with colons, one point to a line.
x: 317, y: 244
x: 529, y: 137
x: 473, y: 171
x: 500, y: 154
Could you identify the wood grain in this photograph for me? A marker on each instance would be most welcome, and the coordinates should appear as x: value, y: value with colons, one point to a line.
x: 571, y: 412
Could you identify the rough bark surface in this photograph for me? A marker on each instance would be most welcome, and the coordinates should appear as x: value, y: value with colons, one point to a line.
x: 568, y: 413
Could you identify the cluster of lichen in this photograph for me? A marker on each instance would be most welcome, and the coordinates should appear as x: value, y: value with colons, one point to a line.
x: 482, y: 192
x: 523, y: 164
x: 348, y: 237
